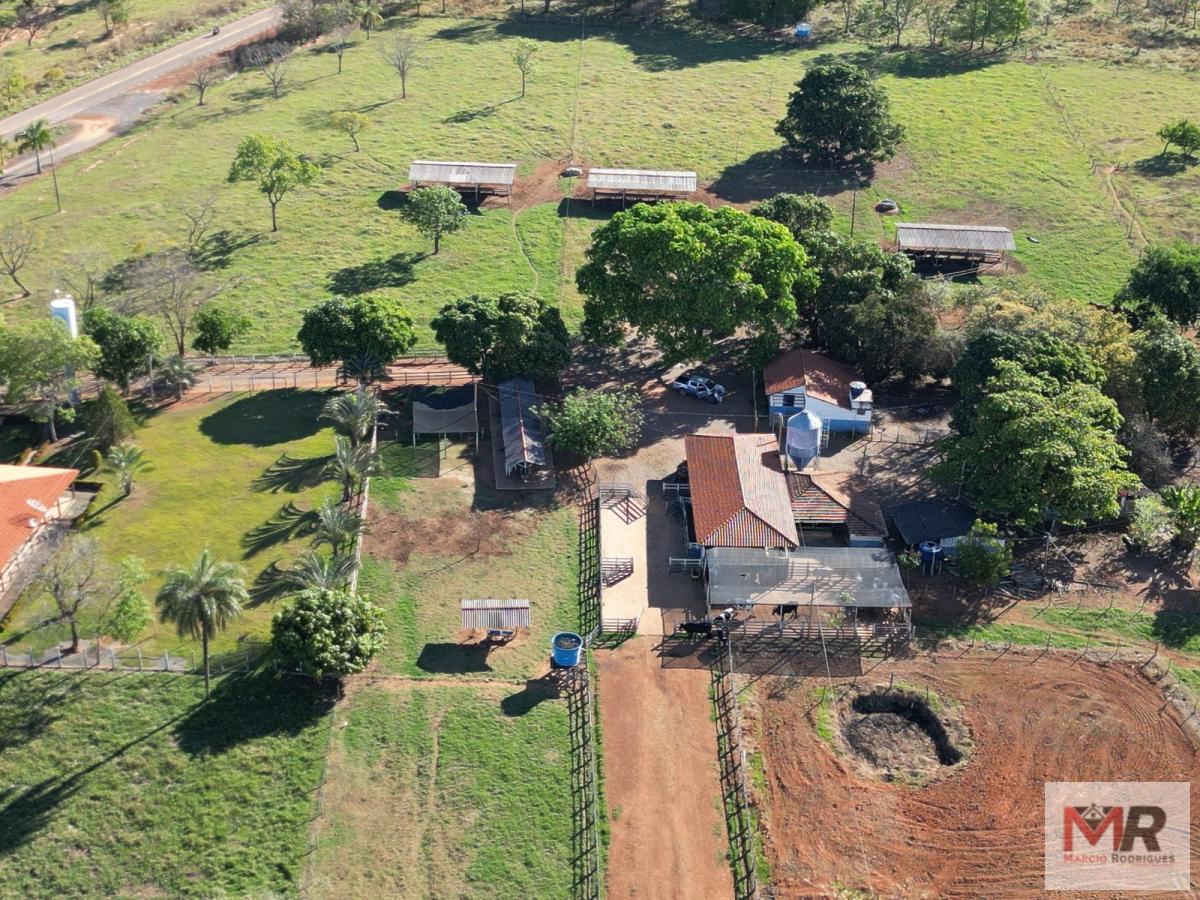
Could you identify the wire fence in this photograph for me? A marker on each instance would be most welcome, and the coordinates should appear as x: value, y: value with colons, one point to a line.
x: 731, y: 758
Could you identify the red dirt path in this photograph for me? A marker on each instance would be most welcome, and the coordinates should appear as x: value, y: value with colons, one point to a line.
x: 979, y: 831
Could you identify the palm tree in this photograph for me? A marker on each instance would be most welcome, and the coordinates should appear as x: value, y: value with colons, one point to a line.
x: 202, y: 601
x: 125, y: 461
x: 318, y: 571
x: 350, y: 465
x: 338, y: 526
x: 179, y: 373
x: 371, y: 18
x: 36, y: 137
x: 354, y: 414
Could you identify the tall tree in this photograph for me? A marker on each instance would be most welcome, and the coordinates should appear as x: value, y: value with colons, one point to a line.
x: 339, y: 41
x: 839, y: 116
x: 274, y: 60
x: 505, y: 336
x: 435, y: 211
x: 113, y: 13
x: 34, y: 139
x: 205, y: 77
x: 274, y: 166
x: 33, y: 18
x: 330, y: 633
x: 127, y: 343
x: 107, y: 419
x: 804, y: 215
x: 523, y: 58
x: 1167, y: 280
x: 1169, y: 365
x: 354, y: 414
x: 370, y: 19
x: 17, y: 244
x: 403, y: 54
x: 201, y: 601
x: 363, y: 333
x: 166, y: 284
x: 351, y: 124
x: 687, y: 276
x: 350, y: 466
x: 76, y: 579
x: 39, y: 362
x: 217, y: 327
x: 595, y: 422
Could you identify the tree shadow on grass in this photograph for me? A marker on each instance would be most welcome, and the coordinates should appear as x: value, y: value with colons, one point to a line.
x: 771, y: 172
x: 291, y: 474
x: 395, y: 271
x: 1163, y: 165
x: 216, y: 251
x: 463, y: 116
x: 536, y: 691
x: 250, y: 707
x: 266, y: 418
x: 1177, y: 622
x: 468, y: 34
x: 288, y: 523
x: 270, y: 584
x: 454, y: 659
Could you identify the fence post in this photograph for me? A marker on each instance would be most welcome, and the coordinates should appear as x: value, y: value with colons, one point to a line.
x: 59, y: 657
x: 166, y: 660
x: 3, y: 656
x: 112, y: 657
x: 139, y: 650
x: 31, y: 657
x: 193, y: 661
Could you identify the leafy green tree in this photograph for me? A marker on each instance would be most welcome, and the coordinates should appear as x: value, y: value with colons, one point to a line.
x: 338, y: 526
x: 1039, y: 448
x: 319, y: 571
x: 274, y: 167
x: 984, y: 558
x: 594, y: 422
x: 75, y: 578
x: 202, y: 601
x: 34, y: 139
x: 353, y: 414
x: 216, y: 328
x: 1151, y: 527
x: 107, y: 419
x: 1184, y: 134
x: 1183, y: 503
x: 351, y: 124
x: 1042, y: 355
x: 435, y: 211
x: 505, y: 336
x: 131, y: 613
x: 523, y: 58
x: 886, y: 333
x: 1149, y: 451
x: 1169, y: 364
x: 38, y: 362
x: 1167, y: 280
x: 804, y: 215
x: 999, y: 21
x: 13, y: 86
x: 178, y: 373
x: 125, y: 461
x: 363, y: 333
x: 329, y: 632
x: 349, y: 466
x: 127, y: 343
x: 770, y: 14
x: 839, y: 116
x: 113, y: 13
x: 687, y: 276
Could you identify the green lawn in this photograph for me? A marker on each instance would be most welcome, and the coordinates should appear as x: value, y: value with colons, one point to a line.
x: 128, y: 786
x: 985, y: 144
x: 216, y: 483
x: 446, y: 792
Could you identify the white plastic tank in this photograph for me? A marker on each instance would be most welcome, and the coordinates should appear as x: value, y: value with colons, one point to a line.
x: 62, y: 308
x: 803, y: 442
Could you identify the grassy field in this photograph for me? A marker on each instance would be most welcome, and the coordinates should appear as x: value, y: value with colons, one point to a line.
x: 446, y: 792
x: 128, y: 786
x: 216, y: 483
x: 985, y: 144
x: 77, y: 44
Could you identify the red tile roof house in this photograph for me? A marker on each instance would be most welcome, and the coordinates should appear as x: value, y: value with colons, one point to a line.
x: 803, y: 379
x: 30, y: 497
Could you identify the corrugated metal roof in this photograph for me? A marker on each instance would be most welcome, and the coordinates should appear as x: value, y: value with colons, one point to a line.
x: 495, y: 614
x: 638, y: 180
x: 810, y: 576
x: 822, y: 377
x: 445, y: 411
x: 817, y: 503
x: 523, y: 441
x: 973, y: 238
x: 739, y: 493
x: 471, y: 173
x: 930, y: 520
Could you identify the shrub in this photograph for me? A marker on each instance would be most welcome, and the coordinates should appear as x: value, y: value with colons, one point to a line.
x: 328, y: 632
x: 984, y: 559
x: 1151, y: 528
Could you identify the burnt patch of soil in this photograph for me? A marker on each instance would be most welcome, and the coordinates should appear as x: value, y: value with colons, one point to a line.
x: 459, y: 535
x: 899, y: 735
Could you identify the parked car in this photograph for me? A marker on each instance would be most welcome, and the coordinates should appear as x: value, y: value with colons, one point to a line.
x: 689, y: 384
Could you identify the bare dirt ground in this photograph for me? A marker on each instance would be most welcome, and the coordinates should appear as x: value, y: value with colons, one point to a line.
x: 977, y: 832
x: 660, y: 769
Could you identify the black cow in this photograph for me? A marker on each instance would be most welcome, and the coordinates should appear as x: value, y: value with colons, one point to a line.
x: 786, y: 609
x: 696, y: 629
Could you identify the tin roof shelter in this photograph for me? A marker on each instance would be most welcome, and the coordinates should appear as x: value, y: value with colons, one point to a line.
x: 640, y: 184
x: 982, y: 243
x: 809, y: 576
x: 445, y: 411
x: 822, y: 500
x: 918, y: 521
x: 480, y: 177
x: 524, y: 445
x: 29, y: 497
x: 503, y: 614
x: 738, y: 490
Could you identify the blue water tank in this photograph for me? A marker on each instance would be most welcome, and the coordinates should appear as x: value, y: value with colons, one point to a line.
x: 930, y: 552
x: 803, y: 31
x: 566, y: 647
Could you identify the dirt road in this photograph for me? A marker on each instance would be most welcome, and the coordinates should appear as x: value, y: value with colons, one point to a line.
x: 660, y: 769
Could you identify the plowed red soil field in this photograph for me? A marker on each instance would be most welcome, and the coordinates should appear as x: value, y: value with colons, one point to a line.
x: 977, y: 832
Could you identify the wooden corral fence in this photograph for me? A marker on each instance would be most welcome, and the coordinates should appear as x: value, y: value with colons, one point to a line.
x: 587, y: 868
x: 731, y: 758
x: 590, y: 567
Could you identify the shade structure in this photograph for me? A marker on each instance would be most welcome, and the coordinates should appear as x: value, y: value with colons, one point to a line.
x: 524, y: 445
x: 918, y: 521
x: 983, y: 241
x: 841, y: 577
x: 445, y: 411
x: 642, y: 181
x: 496, y: 178
x: 495, y: 614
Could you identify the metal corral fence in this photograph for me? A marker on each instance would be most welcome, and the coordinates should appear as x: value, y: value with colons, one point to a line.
x: 587, y: 868
x: 731, y: 757
x: 590, y: 568
x: 93, y: 657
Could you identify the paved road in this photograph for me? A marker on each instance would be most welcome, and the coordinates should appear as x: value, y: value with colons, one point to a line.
x: 89, y: 97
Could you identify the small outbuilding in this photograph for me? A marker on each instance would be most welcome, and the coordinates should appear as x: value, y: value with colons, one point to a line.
x: 941, y: 522
x: 800, y: 380
x: 983, y: 244
x: 639, y: 185
x: 480, y: 178
x: 445, y: 411
x: 521, y: 426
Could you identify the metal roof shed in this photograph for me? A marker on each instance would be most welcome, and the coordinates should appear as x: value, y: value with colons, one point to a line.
x: 930, y: 520
x: 482, y: 177
x: 809, y: 576
x: 640, y: 184
x: 983, y: 242
x: 445, y: 411
x: 524, y: 445
x: 501, y: 614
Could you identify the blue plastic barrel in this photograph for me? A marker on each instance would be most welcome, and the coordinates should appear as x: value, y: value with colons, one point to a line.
x: 929, y: 551
x: 803, y: 31
x: 566, y: 647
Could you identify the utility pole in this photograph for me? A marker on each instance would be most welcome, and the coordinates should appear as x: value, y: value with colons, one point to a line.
x: 54, y: 176
x: 853, y: 210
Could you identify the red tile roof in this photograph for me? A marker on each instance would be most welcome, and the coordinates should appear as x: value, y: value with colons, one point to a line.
x: 823, y: 499
x: 739, y: 492
x: 17, y: 485
x: 821, y: 377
